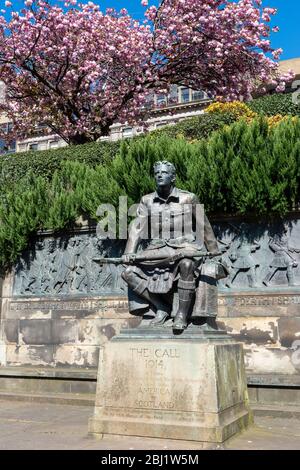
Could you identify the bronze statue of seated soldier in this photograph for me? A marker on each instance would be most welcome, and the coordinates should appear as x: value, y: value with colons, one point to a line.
x: 174, y: 277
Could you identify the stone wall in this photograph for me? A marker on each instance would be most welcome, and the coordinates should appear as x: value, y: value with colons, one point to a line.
x: 259, y: 304
x: 59, y: 305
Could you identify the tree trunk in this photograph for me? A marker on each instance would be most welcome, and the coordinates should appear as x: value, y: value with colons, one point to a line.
x: 80, y: 139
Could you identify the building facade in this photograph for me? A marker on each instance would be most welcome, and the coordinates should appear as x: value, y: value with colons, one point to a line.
x: 180, y: 104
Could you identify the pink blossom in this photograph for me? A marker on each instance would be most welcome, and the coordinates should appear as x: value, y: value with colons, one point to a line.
x: 79, y: 70
x: 277, y: 53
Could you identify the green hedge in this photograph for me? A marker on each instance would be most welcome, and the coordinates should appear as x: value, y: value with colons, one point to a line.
x: 279, y: 103
x: 243, y: 168
x: 45, y: 162
x: 198, y: 127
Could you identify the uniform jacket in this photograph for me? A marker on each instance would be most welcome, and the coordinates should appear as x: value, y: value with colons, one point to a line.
x: 177, y: 222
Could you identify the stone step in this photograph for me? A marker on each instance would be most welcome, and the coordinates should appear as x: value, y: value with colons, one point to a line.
x: 88, y: 399
x: 49, y: 372
x: 80, y: 399
x: 276, y: 411
x: 47, y: 381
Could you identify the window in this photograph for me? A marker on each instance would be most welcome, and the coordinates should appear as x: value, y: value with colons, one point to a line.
x: 53, y: 144
x: 39, y: 130
x: 161, y: 100
x: 149, y: 101
x: 184, y: 95
x: 198, y: 95
x: 173, y: 95
x: 33, y: 147
x: 127, y: 132
x: 22, y: 147
x: 40, y: 127
x: 7, y: 145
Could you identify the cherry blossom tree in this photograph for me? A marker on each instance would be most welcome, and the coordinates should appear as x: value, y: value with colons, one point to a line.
x: 75, y: 71
x: 78, y: 70
x: 218, y: 46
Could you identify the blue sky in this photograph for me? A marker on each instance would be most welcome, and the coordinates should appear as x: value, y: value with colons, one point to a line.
x: 287, y: 19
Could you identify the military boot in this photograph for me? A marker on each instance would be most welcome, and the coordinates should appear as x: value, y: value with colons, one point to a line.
x: 186, y: 291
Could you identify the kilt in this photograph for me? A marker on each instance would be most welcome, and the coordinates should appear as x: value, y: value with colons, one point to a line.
x: 162, y: 279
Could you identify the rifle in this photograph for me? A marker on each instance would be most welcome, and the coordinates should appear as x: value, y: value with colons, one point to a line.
x: 136, y: 259
x: 282, y: 248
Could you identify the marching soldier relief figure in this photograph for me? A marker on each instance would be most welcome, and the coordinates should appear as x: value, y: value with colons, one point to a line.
x: 175, y: 258
x: 242, y: 260
x: 66, y: 266
x: 283, y: 259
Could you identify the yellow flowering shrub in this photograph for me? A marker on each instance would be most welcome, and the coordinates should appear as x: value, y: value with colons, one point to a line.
x: 240, y: 110
x: 237, y: 108
x: 273, y: 121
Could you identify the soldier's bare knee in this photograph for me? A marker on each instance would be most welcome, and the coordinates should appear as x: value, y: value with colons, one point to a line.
x: 186, y: 267
x: 127, y: 274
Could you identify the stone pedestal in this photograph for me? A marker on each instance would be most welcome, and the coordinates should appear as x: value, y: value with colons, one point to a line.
x: 154, y: 384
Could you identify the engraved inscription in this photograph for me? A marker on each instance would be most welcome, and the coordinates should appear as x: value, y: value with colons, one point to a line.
x: 153, y: 404
x: 161, y: 390
x: 64, y: 305
x: 154, y: 397
x: 155, y: 359
x: 154, y: 353
x: 258, y: 301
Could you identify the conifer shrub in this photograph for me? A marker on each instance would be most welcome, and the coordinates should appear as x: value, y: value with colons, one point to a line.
x: 249, y: 168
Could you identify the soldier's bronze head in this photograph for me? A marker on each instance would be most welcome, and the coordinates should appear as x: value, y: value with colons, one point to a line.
x: 164, y: 173
x: 51, y: 245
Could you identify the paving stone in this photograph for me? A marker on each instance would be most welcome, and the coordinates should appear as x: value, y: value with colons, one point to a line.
x: 35, y: 426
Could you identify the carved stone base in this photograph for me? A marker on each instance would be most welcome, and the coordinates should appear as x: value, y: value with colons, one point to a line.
x: 172, y: 387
